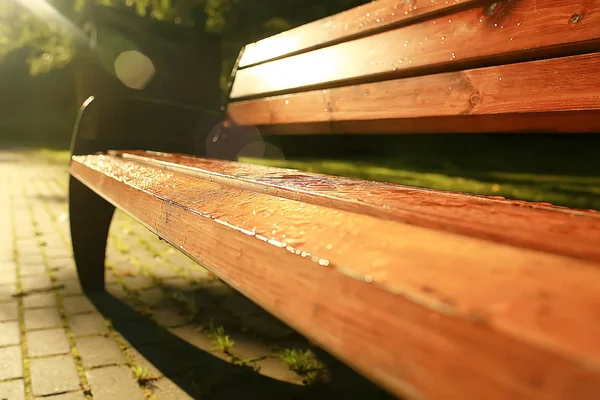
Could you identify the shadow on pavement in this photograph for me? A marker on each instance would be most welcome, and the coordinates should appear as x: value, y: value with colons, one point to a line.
x: 204, y: 376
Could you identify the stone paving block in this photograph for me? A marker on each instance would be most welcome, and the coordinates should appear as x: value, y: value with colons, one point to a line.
x: 109, y: 277
x: 216, y: 289
x: 240, y: 305
x: 7, y: 292
x: 179, y: 284
x: 12, y: 390
x: 9, y: 276
x: 138, y: 282
x: 64, y: 396
x: 53, y: 375
x: 33, y: 269
x: 11, y: 363
x: 29, y: 259
x: 47, y: 343
x: 62, y: 262
x: 152, y: 296
x: 65, y: 274
x: 125, y: 269
x: 112, y: 383
x: 71, y: 288
x: 157, y: 359
x: 9, y: 311
x: 87, y: 324
x: 168, y: 316
x: 97, y: 351
x: 7, y: 266
x: 40, y: 300
x: 35, y: 282
x: 197, y: 338
x: 162, y: 271
x: 9, y: 333
x: 57, y: 252
x: 198, y: 273
x: 78, y: 305
x: 140, y: 331
x: 165, y: 389
x: 118, y: 291
x: 267, y: 326
x: 42, y: 318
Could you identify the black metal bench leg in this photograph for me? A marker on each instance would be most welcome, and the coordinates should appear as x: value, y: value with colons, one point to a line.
x: 90, y: 217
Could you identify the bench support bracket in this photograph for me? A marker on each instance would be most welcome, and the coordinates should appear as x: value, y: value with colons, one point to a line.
x: 90, y: 217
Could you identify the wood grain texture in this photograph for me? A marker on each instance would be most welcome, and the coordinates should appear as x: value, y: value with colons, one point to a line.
x: 358, y: 21
x: 567, y: 84
x: 426, y: 313
x: 514, y: 31
x: 538, y: 226
x: 547, y: 123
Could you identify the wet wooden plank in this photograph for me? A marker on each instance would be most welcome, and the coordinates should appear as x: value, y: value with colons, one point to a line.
x: 426, y: 313
x: 557, y: 122
x: 555, y: 85
x: 514, y: 31
x: 358, y: 21
x: 537, y: 226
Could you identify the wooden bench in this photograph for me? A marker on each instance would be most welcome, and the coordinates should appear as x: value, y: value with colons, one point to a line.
x: 430, y: 294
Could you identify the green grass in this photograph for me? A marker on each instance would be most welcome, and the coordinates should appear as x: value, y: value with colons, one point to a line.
x: 51, y: 155
x: 563, y: 170
x: 571, y: 191
x: 305, y: 364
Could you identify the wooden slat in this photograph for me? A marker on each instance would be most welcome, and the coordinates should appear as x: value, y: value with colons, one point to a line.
x: 558, y: 122
x: 358, y: 21
x: 538, y: 226
x: 517, y: 30
x: 556, y: 85
x: 426, y: 313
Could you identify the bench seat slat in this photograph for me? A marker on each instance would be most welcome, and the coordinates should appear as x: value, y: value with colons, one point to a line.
x: 516, y: 31
x: 358, y: 21
x: 532, y: 87
x: 537, y: 226
x: 404, y: 304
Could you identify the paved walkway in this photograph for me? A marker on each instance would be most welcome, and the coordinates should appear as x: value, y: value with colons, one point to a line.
x: 167, y: 330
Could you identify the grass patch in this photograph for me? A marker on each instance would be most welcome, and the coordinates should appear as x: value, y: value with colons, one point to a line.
x: 305, y: 364
x: 560, y: 169
x: 51, y: 155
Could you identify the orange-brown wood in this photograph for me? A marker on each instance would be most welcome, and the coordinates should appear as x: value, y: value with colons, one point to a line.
x: 538, y: 226
x: 557, y: 122
x: 358, y: 21
x: 426, y: 313
x: 555, y: 85
x: 513, y: 31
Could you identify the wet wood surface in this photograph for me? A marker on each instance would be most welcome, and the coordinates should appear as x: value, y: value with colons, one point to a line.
x: 538, y: 226
x: 510, y: 31
x: 556, y: 122
x: 426, y: 312
x: 555, y: 85
x: 358, y: 21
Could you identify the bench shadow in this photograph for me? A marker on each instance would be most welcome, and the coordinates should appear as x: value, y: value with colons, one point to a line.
x: 202, y: 375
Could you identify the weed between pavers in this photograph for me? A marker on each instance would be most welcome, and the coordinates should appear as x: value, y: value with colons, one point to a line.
x: 142, y: 375
x: 26, y: 368
x: 305, y: 364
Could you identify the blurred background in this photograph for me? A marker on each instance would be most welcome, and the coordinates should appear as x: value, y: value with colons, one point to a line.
x: 42, y: 41
x: 55, y: 53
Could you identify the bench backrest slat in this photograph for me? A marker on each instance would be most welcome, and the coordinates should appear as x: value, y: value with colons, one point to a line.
x: 359, y: 21
x: 451, y: 69
x: 555, y: 85
x: 514, y: 32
